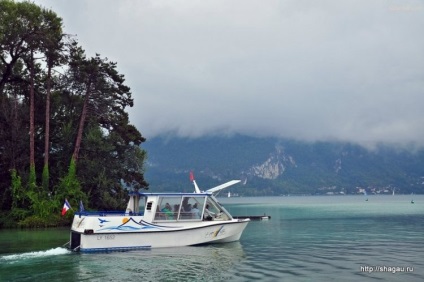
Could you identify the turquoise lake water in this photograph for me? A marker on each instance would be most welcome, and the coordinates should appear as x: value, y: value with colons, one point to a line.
x: 311, y: 238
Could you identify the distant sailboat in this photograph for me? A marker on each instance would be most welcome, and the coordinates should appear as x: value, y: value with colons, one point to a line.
x: 393, y: 192
x: 229, y: 194
x: 365, y: 194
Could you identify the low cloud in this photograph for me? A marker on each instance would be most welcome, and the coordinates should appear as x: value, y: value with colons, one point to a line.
x: 331, y: 70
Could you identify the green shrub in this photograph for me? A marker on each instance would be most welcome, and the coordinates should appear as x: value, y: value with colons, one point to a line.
x: 35, y: 221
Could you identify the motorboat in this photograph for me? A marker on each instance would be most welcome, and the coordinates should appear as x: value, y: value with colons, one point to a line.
x: 156, y: 220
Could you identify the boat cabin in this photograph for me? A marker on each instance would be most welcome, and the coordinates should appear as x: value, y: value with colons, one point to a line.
x: 157, y: 207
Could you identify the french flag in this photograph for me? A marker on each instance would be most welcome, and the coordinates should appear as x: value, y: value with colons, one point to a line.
x: 66, y: 207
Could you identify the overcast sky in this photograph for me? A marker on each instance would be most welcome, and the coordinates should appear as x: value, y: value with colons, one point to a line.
x: 309, y: 70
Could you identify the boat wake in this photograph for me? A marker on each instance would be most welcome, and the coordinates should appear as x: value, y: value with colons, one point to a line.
x: 31, y: 255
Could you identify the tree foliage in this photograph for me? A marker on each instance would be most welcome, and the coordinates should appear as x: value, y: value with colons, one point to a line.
x: 82, y: 144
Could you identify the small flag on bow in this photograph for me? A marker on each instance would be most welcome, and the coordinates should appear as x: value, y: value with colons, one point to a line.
x: 66, y: 207
x: 81, y: 207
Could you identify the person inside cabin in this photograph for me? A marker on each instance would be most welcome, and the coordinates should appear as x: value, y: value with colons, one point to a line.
x: 208, y: 214
x: 195, y: 211
x: 186, y: 205
x: 176, y: 210
x: 167, y: 210
x: 186, y: 211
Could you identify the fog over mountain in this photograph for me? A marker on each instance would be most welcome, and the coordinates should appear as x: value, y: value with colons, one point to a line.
x: 271, y: 166
x: 306, y: 70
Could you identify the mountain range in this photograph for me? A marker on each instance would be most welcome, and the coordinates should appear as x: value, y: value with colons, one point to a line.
x: 273, y: 166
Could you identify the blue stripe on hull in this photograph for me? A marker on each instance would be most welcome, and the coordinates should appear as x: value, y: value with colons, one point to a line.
x: 114, y: 249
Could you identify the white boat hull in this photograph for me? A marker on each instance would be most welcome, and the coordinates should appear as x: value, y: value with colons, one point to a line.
x: 168, y: 235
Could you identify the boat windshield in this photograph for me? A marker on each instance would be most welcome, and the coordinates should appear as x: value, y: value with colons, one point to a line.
x: 180, y: 207
x: 189, y: 207
x: 214, y: 211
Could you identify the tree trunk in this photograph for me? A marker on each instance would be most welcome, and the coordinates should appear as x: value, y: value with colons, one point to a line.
x: 31, y: 115
x: 47, y: 135
x: 47, y: 132
x: 81, y: 123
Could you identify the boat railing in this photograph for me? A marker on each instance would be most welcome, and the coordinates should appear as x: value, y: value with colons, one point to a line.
x: 108, y: 213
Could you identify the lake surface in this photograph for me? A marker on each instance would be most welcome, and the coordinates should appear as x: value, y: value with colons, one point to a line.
x: 327, y: 238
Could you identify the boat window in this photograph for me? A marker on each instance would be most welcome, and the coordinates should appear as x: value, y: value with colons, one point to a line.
x: 213, y: 211
x: 168, y: 208
x: 142, y: 204
x: 135, y: 205
x: 192, y: 207
x: 180, y: 208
